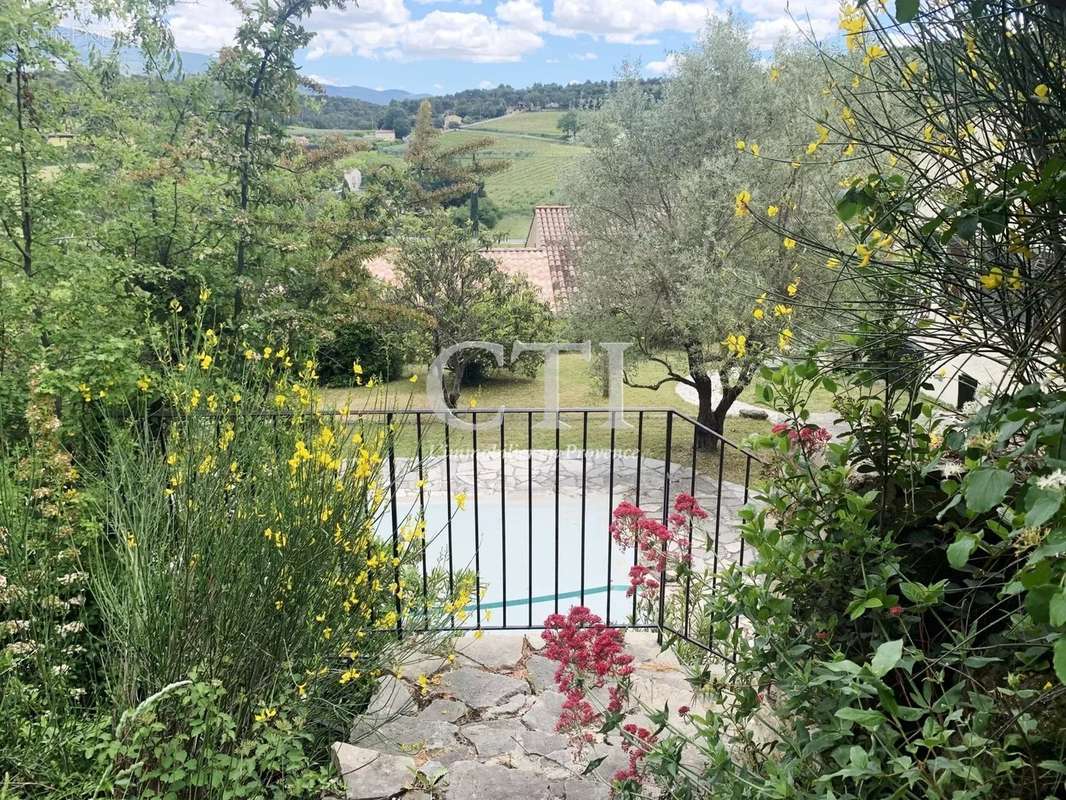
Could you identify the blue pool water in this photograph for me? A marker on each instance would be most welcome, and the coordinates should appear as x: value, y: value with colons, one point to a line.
x: 512, y: 596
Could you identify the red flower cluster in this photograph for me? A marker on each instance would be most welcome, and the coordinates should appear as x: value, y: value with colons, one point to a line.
x: 588, y: 653
x: 811, y: 438
x: 654, y: 541
x: 637, y: 743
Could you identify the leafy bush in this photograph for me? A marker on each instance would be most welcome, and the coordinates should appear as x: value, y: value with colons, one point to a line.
x: 381, y: 356
x: 902, y: 616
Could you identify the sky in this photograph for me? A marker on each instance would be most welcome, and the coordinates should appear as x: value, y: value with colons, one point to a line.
x: 443, y: 46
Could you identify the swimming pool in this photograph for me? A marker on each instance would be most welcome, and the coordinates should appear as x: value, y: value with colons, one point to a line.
x: 527, y: 570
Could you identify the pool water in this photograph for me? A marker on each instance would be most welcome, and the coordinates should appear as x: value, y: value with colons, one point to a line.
x: 510, y: 597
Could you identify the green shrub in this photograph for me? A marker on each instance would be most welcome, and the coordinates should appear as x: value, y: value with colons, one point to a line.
x: 902, y: 614
x: 182, y: 743
x: 242, y: 544
x: 380, y: 355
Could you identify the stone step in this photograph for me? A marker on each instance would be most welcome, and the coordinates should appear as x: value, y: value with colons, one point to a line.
x: 484, y: 727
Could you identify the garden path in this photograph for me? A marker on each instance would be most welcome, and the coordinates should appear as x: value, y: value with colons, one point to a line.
x: 480, y: 725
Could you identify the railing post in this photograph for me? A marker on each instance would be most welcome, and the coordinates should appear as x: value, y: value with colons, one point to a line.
x: 666, y: 516
x: 395, y: 523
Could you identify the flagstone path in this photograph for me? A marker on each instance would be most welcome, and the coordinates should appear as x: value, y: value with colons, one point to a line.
x: 481, y: 726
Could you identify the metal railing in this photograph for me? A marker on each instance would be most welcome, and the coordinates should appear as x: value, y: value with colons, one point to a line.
x: 542, y: 483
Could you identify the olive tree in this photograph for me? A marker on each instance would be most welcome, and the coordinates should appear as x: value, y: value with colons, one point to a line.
x: 680, y: 208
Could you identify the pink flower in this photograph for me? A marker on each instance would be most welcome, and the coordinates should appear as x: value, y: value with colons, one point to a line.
x: 896, y: 611
x: 683, y: 711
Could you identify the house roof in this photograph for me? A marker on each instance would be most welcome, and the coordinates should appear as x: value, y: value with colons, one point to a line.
x: 552, y: 229
x: 529, y: 263
x: 547, y: 260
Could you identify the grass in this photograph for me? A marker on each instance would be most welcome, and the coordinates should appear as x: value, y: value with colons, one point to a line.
x: 534, y: 177
x: 324, y: 133
x: 530, y: 123
x: 577, y: 390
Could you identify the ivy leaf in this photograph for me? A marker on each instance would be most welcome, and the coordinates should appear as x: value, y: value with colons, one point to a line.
x: 959, y: 552
x: 986, y: 488
x: 1041, y: 505
x: 1057, y: 609
x: 868, y: 719
x: 886, y: 658
x: 1060, y: 658
x: 593, y: 764
x: 906, y: 10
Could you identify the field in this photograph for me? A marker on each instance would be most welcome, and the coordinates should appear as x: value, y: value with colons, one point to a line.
x: 536, y: 175
x: 530, y: 123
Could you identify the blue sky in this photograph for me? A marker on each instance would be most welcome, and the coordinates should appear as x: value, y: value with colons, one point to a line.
x: 440, y: 46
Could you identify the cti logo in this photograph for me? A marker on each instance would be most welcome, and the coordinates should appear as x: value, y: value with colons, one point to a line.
x: 550, y: 419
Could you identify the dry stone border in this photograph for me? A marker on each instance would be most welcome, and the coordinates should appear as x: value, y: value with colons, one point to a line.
x: 485, y: 728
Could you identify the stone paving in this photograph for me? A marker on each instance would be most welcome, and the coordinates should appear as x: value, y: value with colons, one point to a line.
x: 482, y: 726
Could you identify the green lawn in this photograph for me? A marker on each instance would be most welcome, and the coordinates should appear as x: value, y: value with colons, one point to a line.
x: 534, y: 177
x: 532, y: 123
x: 577, y: 390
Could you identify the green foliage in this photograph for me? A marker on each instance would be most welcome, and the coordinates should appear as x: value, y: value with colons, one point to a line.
x: 679, y: 208
x: 463, y: 296
x: 182, y: 743
x: 380, y: 355
x: 878, y: 656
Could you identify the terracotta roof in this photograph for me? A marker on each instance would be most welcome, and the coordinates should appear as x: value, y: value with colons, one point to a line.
x: 552, y: 229
x: 532, y: 264
x: 529, y: 263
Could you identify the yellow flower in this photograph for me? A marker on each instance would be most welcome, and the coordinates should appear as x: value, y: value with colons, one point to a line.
x: 267, y: 352
x: 249, y: 354
x: 370, y: 384
x: 349, y: 675
x: 737, y: 344
x: 479, y: 633
x: 793, y: 288
x: 205, y: 295
x: 1042, y: 93
x: 758, y: 313
x: 473, y: 402
x: 742, y: 200
x: 873, y: 52
x: 865, y: 254
x: 144, y: 383
x: 755, y: 150
x: 327, y: 633
x: 280, y: 400
x: 790, y: 244
x: 993, y: 280
x: 1016, y: 279
x: 812, y: 148
x: 266, y: 715
x: 460, y: 501
x: 357, y: 368
x: 741, y: 145
x: 775, y: 73
x: 833, y: 263
x: 772, y: 211
x: 206, y: 360
x: 236, y: 398
x: 413, y: 379
x: 781, y: 310
x: 784, y: 340
x: 86, y: 392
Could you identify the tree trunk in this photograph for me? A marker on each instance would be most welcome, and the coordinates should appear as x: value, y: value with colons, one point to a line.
x: 708, y: 415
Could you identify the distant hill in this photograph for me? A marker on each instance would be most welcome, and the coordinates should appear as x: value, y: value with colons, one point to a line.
x: 193, y: 63
x: 379, y: 97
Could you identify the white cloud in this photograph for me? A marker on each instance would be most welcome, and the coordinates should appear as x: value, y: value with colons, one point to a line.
x: 526, y: 15
x: 630, y: 21
x: 486, y: 85
x: 767, y: 32
x: 664, y: 67
x: 462, y: 36
x: 585, y: 56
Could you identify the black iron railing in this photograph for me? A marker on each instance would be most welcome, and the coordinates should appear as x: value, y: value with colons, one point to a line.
x: 541, y: 483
